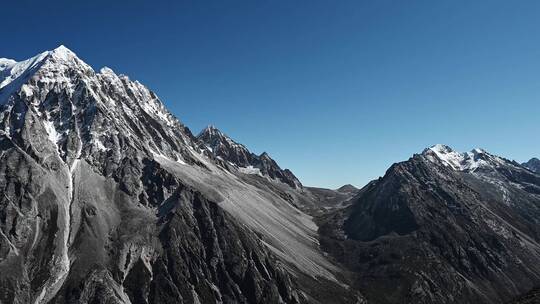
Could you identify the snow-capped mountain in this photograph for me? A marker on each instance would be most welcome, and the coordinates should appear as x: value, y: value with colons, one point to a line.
x: 107, y: 198
x: 442, y: 227
x: 226, y: 149
x: 533, y: 164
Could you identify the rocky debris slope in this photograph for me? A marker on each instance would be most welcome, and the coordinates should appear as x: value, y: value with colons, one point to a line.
x: 203, y: 256
x: 442, y: 227
x: 232, y: 153
x: 531, y: 297
x: 236, y: 267
x: 105, y: 197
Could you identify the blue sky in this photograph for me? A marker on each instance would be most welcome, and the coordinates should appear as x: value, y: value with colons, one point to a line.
x: 335, y: 90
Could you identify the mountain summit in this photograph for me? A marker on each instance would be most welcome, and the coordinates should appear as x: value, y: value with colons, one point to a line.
x: 533, y: 164
x: 467, y: 161
x: 228, y: 150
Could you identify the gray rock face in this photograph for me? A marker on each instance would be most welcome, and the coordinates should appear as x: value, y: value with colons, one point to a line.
x: 230, y: 152
x: 105, y: 197
x: 533, y: 164
x: 442, y: 227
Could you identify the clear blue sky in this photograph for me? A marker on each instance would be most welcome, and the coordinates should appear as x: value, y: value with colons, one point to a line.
x: 335, y: 90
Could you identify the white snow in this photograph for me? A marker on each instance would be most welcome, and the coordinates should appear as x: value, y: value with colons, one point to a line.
x: 14, y: 74
x: 447, y: 156
x: 5, y: 63
x: 99, y: 145
x: 62, y: 52
x: 250, y: 170
x: 27, y: 90
x: 148, y: 102
x: 467, y: 161
x: 51, y: 131
x: 11, y: 70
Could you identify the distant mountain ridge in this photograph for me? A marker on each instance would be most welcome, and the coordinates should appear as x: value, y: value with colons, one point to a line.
x: 347, y: 188
x: 223, y: 147
x: 533, y: 164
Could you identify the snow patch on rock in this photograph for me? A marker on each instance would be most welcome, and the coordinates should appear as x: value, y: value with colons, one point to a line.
x: 250, y: 170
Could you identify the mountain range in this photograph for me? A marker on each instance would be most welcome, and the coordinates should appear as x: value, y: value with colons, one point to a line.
x: 108, y: 198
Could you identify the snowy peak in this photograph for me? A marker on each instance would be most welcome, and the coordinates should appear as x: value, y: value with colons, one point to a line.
x: 440, y: 148
x: 446, y: 155
x: 226, y: 149
x: 63, y: 53
x: 62, y: 58
x: 87, y: 114
x: 211, y: 130
x: 216, y: 140
x: 463, y: 161
x: 54, y: 65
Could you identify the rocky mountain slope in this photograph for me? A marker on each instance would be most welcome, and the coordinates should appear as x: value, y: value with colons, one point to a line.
x: 442, y: 227
x: 107, y: 198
